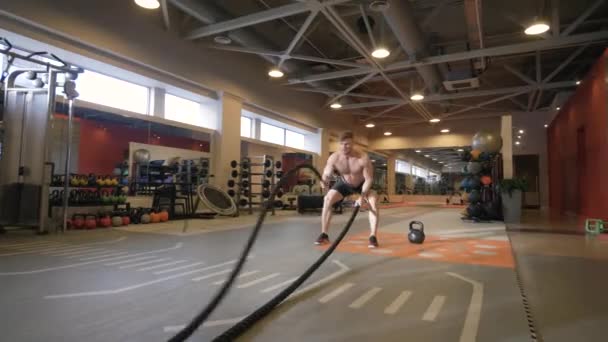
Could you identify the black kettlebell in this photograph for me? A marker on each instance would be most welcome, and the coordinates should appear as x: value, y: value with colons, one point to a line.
x: 416, y: 234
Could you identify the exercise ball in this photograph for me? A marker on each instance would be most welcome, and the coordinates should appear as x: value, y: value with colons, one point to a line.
x: 486, y: 180
x: 465, y: 183
x: 475, y: 154
x: 141, y: 156
x: 474, y: 182
x: 474, y: 196
x: 487, y: 142
x: 116, y: 221
x: 145, y: 218
x: 474, y: 167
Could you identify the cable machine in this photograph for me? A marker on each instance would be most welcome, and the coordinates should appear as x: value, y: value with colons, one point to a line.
x: 29, y: 102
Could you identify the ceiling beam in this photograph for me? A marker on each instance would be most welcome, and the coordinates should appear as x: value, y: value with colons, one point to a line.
x: 426, y: 22
x: 512, y: 49
x: 498, y: 99
x: 519, y: 74
x: 555, y: 18
x: 351, y: 88
x: 331, y: 75
x: 298, y: 36
x: 334, y: 92
x: 260, y: 17
x: 565, y: 63
x: 165, y: 9
x: 582, y: 17
x: 386, y: 111
x: 468, y: 94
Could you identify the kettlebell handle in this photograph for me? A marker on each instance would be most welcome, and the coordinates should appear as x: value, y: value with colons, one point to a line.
x: 420, y: 226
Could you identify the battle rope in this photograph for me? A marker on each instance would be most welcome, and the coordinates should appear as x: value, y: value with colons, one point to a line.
x: 238, y: 328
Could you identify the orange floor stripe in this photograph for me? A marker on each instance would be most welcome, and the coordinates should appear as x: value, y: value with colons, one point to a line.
x: 458, y: 250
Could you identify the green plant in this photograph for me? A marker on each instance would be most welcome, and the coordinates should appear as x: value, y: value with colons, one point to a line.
x: 509, y: 185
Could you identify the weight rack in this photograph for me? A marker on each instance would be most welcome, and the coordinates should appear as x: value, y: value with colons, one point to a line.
x: 247, y: 173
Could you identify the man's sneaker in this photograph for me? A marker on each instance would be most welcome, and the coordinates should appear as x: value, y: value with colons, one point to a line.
x: 373, y: 242
x: 322, y: 239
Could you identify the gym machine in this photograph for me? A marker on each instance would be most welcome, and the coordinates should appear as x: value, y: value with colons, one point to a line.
x: 29, y: 93
x: 249, y: 174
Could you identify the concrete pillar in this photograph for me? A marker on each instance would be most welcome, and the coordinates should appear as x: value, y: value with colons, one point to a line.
x: 257, y: 129
x: 157, y: 102
x: 390, y: 175
x: 506, y: 132
x: 226, y: 141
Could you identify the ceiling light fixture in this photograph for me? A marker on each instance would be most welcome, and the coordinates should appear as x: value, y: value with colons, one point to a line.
x: 336, y: 105
x: 460, y: 150
x: 578, y: 82
x: 276, y: 73
x: 546, y: 125
x: 418, y: 151
x: 388, y: 133
x: 517, y: 143
x: 519, y: 137
x: 380, y: 53
x: 558, y: 108
x: 148, y: 4
x: 521, y: 131
x: 435, y: 159
x: 537, y: 27
x: 370, y: 125
x: 426, y: 155
x: 445, y: 130
x: 417, y: 97
x: 434, y: 120
x: 224, y: 40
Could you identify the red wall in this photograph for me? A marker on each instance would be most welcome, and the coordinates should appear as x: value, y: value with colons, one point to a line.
x: 577, y: 141
x: 103, y: 145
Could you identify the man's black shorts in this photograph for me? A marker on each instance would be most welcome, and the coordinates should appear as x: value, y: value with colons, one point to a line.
x: 346, y: 189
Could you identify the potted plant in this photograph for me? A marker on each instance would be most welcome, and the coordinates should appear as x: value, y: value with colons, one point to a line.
x: 511, y: 195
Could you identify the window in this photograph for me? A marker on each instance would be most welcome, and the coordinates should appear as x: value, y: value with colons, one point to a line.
x: 434, y: 176
x: 418, y: 171
x: 293, y: 139
x: 402, y: 167
x: 183, y: 110
x: 245, y: 127
x: 272, y: 134
x: 112, y: 92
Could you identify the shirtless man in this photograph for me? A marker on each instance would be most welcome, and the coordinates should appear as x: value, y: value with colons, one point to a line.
x: 357, y: 176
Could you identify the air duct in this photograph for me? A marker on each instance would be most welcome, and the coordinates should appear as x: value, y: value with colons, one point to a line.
x: 400, y: 18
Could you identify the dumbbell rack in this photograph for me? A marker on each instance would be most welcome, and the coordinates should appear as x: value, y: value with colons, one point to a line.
x: 247, y: 178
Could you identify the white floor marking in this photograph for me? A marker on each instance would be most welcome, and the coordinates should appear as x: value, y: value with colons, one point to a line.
x: 79, y: 252
x: 242, y: 275
x: 178, y: 268
x: 59, y: 248
x: 143, y: 263
x: 257, y: 281
x: 484, y: 252
x: 394, y: 307
x: 178, y: 245
x: 211, y: 275
x: 471, y: 321
x: 433, y: 310
x: 39, y: 248
x: 29, y: 244
x: 176, y: 328
x: 497, y: 238
x: 430, y: 255
x: 129, y: 260
x: 343, y: 270
x: 67, y: 250
x: 335, y: 293
x: 161, y: 265
x: 107, y: 254
x: 137, y: 286
x: 366, y: 297
x: 278, y: 286
x: 485, y: 246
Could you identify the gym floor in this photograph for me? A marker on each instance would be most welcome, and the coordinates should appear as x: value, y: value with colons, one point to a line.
x: 143, y: 283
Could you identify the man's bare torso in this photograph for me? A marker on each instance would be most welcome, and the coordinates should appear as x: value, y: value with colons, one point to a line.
x: 350, y: 166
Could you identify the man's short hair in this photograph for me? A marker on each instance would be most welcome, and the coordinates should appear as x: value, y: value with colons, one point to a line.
x: 347, y: 135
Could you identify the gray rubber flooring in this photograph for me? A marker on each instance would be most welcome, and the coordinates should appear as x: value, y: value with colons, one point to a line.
x: 124, y: 286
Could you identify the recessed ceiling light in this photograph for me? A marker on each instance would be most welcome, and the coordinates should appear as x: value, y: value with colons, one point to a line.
x: 276, y: 73
x: 383, y: 164
x: 445, y: 130
x: 388, y: 133
x: 418, y: 151
x: 336, y: 105
x: 558, y: 108
x: 370, y: 125
x: 426, y: 155
x: 546, y: 125
x: 435, y: 159
x: 380, y: 53
x: 519, y: 137
x: 373, y: 160
x: 521, y: 131
x: 538, y: 27
x: 435, y: 120
x: 148, y: 4
x: 224, y: 40
x: 417, y: 97
x: 517, y: 143
x: 578, y: 82
x: 460, y: 150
